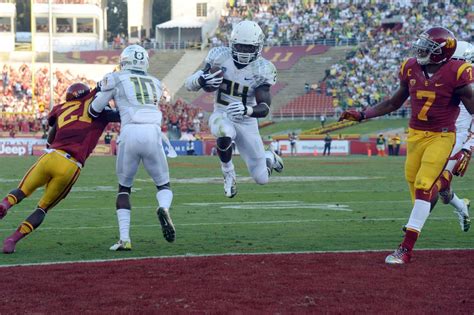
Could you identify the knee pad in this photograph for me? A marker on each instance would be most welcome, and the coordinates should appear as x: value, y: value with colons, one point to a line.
x: 224, y: 149
x: 224, y: 143
x: 165, y: 186
x: 123, y: 198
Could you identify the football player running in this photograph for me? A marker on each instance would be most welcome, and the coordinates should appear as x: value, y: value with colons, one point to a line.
x: 435, y: 84
x: 242, y: 97
x: 136, y: 95
x: 461, y: 154
x: 71, y: 140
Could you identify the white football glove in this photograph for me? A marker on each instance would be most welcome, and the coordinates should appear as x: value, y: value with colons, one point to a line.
x: 210, y: 79
x: 237, y: 111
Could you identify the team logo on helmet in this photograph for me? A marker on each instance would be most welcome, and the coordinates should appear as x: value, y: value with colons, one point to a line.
x: 139, y: 55
x: 450, y: 42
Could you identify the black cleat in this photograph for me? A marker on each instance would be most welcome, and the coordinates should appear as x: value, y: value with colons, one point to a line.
x: 169, y: 233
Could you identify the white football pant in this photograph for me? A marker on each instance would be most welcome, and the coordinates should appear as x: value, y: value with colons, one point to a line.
x: 141, y: 142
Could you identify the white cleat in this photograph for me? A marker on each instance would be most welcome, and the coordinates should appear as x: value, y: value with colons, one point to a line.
x: 121, y: 246
x: 400, y: 256
x: 277, y: 162
x: 463, y: 216
x: 230, y: 187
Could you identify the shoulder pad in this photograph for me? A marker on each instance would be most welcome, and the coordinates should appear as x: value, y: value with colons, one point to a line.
x: 218, y: 55
x: 264, y: 72
x: 407, y: 64
x: 108, y: 82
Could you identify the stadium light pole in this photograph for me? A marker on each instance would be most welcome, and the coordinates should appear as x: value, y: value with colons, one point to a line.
x: 50, y: 21
x: 33, y: 52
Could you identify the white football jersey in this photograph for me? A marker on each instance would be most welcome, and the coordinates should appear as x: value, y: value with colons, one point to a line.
x: 464, y: 120
x: 239, y: 84
x: 136, y: 95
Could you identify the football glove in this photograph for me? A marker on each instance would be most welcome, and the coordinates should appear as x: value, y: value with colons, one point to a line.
x: 352, y: 115
x: 237, y: 110
x: 463, y: 157
x: 211, y: 79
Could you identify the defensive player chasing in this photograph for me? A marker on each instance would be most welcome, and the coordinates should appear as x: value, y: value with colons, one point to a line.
x: 243, y: 95
x: 136, y: 95
x: 461, y: 154
x: 436, y: 85
x: 72, y: 139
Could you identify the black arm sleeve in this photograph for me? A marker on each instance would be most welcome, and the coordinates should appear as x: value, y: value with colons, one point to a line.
x: 264, y: 99
x: 110, y: 115
x: 51, y: 135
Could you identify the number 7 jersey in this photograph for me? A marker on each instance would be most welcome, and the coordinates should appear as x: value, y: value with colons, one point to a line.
x: 433, y: 103
x: 239, y: 84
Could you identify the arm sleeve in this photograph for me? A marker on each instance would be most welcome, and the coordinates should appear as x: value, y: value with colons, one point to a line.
x: 192, y: 82
x: 107, y: 92
x: 52, y: 116
x: 51, y: 135
x: 110, y: 115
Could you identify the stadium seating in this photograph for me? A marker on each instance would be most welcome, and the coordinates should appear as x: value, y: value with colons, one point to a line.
x: 310, y: 104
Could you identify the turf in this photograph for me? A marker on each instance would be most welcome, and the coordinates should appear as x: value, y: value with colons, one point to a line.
x: 303, y: 209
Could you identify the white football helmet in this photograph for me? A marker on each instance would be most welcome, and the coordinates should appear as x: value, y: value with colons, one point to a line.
x: 134, y: 57
x: 246, y: 42
x: 464, y: 51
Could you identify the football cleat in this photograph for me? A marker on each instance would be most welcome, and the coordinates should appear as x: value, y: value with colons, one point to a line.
x: 9, y: 246
x: 277, y: 162
x: 121, y: 246
x: 230, y: 187
x: 463, y: 216
x: 169, y: 233
x: 399, y: 257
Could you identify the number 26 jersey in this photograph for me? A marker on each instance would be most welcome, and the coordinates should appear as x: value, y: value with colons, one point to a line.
x: 239, y: 84
x: 434, y: 105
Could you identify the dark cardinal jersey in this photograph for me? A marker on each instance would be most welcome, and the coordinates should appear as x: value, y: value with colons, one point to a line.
x: 433, y: 103
x: 76, y: 133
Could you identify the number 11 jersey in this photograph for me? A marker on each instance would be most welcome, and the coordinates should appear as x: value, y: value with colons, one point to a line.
x: 136, y: 95
x: 239, y: 84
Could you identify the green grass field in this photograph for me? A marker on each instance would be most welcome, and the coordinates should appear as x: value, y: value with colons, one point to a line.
x: 317, y: 204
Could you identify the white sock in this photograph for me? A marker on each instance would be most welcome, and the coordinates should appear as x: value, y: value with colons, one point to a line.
x: 164, y: 197
x: 458, y: 203
x: 419, y: 214
x: 227, y: 167
x: 123, y: 216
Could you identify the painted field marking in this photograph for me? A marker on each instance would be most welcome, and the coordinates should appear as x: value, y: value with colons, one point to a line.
x: 259, y: 205
x: 274, y: 179
x: 193, y: 255
x: 233, y: 223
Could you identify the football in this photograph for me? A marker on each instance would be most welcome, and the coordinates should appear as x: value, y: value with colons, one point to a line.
x: 211, y: 88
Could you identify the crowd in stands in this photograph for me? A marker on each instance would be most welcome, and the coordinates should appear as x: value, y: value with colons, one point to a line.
x: 370, y: 74
x: 384, y: 30
x: 308, y: 21
x: 23, y: 109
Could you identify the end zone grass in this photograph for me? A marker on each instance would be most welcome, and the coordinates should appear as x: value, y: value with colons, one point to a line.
x: 333, y: 203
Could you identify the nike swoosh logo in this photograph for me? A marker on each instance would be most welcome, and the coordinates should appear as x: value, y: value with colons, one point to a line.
x: 248, y: 79
x: 439, y: 84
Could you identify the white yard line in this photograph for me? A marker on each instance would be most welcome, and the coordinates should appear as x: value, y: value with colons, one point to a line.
x: 234, y: 223
x: 192, y: 255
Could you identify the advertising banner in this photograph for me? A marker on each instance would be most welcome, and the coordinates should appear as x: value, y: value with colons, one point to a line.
x: 315, y: 147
